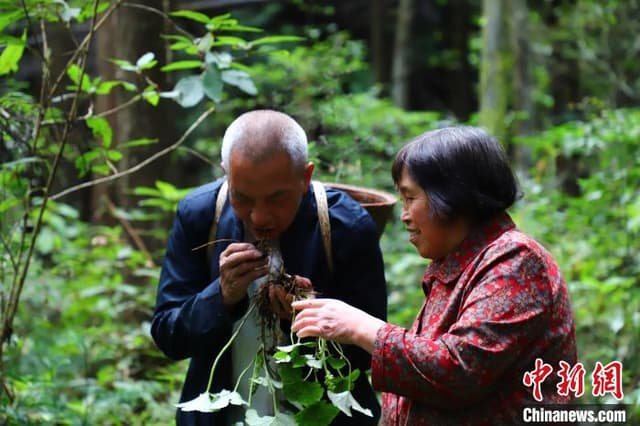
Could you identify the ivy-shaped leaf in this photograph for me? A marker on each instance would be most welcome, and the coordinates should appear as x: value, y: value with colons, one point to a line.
x: 253, y: 419
x: 318, y: 414
x: 304, y: 392
x: 202, y: 404
x: 345, y: 402
x: 312, y: 362
x: 208, y: 403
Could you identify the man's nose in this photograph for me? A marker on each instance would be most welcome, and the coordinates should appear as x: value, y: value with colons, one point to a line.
x: 260, y: 215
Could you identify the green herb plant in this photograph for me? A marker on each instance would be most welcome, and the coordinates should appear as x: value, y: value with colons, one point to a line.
x: 302, y: 373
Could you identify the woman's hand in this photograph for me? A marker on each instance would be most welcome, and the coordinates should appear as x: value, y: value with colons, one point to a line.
x: 281, y: 300
x: 335, y: 320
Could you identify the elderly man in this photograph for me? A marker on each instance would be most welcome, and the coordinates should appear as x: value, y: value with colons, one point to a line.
x: 201, y: 297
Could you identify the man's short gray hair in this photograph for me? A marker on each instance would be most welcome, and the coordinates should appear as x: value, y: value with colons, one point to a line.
x: 261, y: 133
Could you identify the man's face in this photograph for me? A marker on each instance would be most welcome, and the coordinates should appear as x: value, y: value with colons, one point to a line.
x: 266, y: 195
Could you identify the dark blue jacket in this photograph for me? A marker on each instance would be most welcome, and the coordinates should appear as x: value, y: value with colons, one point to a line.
x: 189, y: 319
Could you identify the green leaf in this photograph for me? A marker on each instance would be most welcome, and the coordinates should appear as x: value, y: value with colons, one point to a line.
x: 341, y: 384
x: 11, y: 55
x: 74, y: 72
x: 151, y: 96
x: 101, y: 129
x: 114, y: 155
x: 304, y: 392
x: 281, y: 357
x: 289, y: 375
x: 212, y: 83
x: 243, y: 28
x: 181, y: 65
x: 274, y: 39
x: 8, y: 204
x: 231, y: 41
x: 139, y: 142
x: 105, y: 87
x: 129, y: 87
x: 46, y: 241
x: 124, y: 65
x: 101, y: 169
x: 10, y: 18
x: 241, y: 80
x: 319, y: 414
x: 192, y: 15
x: 189, y: 90
x: 336, y: 363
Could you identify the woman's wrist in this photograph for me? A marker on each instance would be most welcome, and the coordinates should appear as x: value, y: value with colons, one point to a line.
x: 365, y: 334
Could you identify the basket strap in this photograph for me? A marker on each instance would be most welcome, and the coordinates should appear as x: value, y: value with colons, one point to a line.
x: 220, y: 200
x: 323, y: 218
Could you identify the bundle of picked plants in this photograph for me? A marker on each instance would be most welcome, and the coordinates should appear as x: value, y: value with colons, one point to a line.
x: 313, y: 376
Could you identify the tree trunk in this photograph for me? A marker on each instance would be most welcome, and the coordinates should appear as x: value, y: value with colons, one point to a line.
x: 379, y: 60
x: 130, y: 33
x: 401, y: 67
x: 495, y: 68
x: 461, y: 79
x: 522, y: 86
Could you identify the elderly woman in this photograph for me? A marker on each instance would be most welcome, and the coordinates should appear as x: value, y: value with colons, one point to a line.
x: 495, y: 300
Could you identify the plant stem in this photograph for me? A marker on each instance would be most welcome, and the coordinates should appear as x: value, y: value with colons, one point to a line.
x: 228, y: 345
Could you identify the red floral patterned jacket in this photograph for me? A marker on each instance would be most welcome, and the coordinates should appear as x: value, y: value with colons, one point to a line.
x: 491, y: 308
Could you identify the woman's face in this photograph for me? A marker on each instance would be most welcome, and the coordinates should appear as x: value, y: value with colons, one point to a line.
x: 432, y: 238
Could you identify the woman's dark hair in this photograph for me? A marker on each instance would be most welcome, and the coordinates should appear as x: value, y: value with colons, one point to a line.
x: 463, y: 170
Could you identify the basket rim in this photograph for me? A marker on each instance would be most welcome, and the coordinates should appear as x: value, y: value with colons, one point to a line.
x: 385, y: 198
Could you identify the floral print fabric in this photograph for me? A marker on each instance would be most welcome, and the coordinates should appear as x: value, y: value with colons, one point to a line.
x: 491, y: 308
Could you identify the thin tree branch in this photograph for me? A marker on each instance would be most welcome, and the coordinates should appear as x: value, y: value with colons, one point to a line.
x: 161, y: 13
x: 139, y: 166
x: 118, y: 108
x: 198, y: 155
x: 83, y: 45
x: 133, y: 233
x: 8, y: 251
x: 19, y: 279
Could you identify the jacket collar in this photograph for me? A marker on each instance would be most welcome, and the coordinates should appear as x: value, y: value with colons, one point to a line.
x: 449, y: 268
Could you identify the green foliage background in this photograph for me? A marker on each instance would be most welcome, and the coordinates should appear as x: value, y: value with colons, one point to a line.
x: 81, y: 351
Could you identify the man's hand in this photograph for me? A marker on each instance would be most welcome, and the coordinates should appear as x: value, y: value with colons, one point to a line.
x: 240, y: 264
x: 335, y: 320
x: 281, y: 301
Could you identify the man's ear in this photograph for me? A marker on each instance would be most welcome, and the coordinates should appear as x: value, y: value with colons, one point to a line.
x: 226, y: 172
x: 308, y: 172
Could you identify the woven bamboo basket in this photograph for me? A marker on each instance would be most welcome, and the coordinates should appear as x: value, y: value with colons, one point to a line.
x: 378, y: 203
